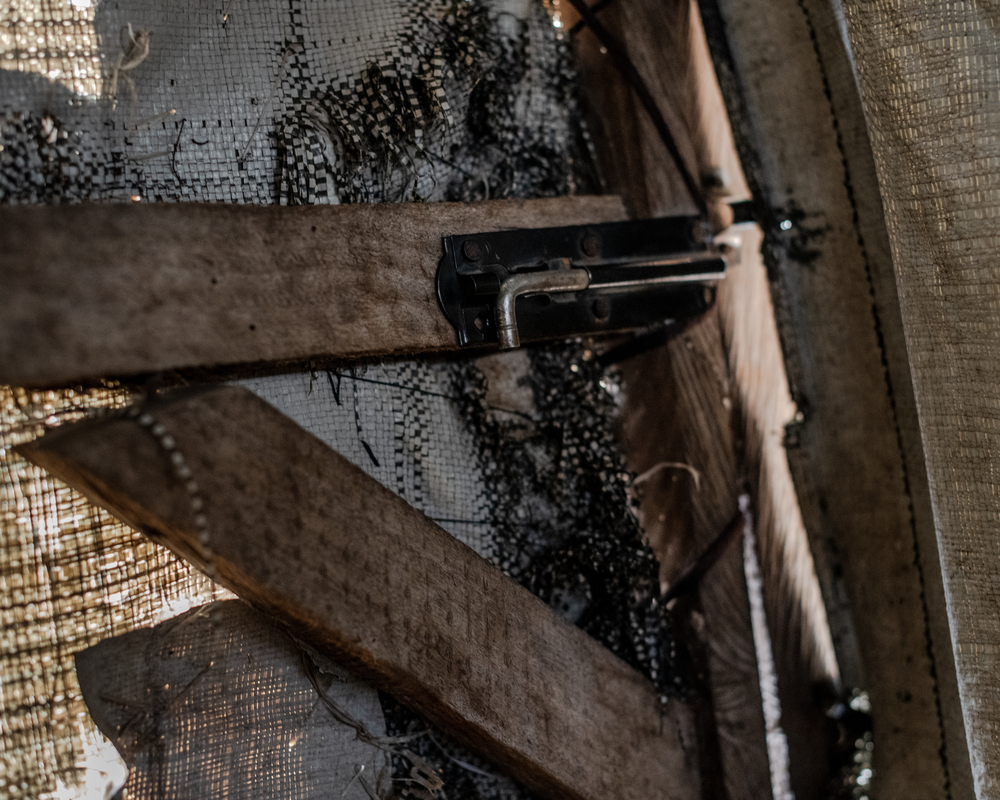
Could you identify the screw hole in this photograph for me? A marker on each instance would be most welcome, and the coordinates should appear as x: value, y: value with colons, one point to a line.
x: 472, y: 250
x: 601, y: 308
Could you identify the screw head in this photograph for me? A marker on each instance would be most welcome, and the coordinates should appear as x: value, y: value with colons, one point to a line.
x: 590, y: 245
x: 472, y: 250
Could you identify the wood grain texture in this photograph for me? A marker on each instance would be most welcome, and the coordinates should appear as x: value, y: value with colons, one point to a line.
x: 102, y: 291
x: 297, y: 530
x: 665, y: 41
x: 690, y: 378
x: 684, y: 402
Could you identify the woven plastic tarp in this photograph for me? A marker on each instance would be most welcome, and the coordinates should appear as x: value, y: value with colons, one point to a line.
x: 300, y: 102
x: 930, y: 80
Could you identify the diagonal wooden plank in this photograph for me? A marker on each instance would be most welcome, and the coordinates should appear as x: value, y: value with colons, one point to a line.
x: 95, y: 291
x: 293, y: 527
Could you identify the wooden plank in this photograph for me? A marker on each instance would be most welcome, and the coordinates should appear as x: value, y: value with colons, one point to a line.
x: 95, y: 291
x: 685, y: 402
x: 296, y: 529
x: 665, y: 41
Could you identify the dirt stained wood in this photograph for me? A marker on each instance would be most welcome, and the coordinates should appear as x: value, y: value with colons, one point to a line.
x: 300, y: 532
x: 107, y: 291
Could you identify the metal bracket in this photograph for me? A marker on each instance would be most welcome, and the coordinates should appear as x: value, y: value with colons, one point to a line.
x: 547, y: 283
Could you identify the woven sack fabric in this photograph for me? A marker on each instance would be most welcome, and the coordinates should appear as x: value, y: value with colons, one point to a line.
x: 220, y: 702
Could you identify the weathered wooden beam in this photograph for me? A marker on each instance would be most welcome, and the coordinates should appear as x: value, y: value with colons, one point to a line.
x: 293, y: 527
x: 95, y: 291
x: 665, y: 41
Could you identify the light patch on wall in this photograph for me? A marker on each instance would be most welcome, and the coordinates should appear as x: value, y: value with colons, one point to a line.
x: 555, y: 14
x: 53, y: 38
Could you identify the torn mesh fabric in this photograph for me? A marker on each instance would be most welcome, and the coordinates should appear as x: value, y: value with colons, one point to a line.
x: 300, y: 102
